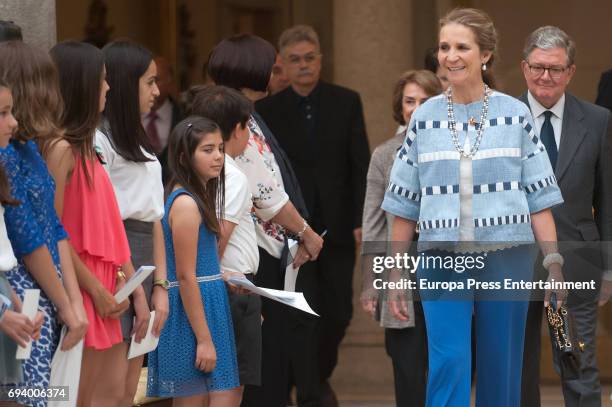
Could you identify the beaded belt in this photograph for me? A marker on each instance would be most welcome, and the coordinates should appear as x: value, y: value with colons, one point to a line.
x: 200, y: 279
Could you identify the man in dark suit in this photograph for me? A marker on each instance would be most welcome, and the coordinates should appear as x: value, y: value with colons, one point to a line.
x: 164, y: 115
x: 577, y: 136
x: 604, y: 90
x: 321, y: 127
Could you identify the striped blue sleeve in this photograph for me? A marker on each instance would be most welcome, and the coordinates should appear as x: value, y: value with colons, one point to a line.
x: 403, y: 196
x: 537, y: 178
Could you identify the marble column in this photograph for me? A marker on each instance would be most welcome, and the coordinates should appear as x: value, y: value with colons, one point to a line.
x: 373, y: 44
x: 36, y: 19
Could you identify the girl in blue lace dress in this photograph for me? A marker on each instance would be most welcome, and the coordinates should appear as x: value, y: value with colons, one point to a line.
x: 195, y: 362
x: 36, y: 234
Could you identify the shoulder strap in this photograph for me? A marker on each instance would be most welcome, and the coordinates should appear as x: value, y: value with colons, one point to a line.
x: 173, y: 195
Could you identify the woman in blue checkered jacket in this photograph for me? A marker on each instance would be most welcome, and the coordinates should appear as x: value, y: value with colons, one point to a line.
x: 475, y: 179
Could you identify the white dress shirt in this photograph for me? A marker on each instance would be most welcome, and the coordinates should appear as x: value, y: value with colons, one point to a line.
x: 556, y: 119
x: 138, y: 186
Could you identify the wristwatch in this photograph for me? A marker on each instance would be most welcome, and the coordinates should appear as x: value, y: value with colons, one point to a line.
x: 162, y: 283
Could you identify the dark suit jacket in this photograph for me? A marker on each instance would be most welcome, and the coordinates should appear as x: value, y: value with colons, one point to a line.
x: 332, y: 168
x: 604, y: 90
x: 584, y: 174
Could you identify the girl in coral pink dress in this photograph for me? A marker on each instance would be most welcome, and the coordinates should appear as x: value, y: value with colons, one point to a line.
x: 87, y: 205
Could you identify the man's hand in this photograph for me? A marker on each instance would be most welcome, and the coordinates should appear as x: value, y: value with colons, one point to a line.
x: 605, y: 293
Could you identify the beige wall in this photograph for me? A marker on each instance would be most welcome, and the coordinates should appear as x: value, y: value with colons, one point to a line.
x: 587, y: 21
x: 35, y: 17
x: 372, y: 45
x: 127, y: 18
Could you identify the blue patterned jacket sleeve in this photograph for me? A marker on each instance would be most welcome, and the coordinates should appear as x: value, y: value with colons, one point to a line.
x: 537, y: 178
x: 21, y: 227
x: 403, y: 195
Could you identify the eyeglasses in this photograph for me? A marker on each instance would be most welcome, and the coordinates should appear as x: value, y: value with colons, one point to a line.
x: 555, y: 72
x: 296, y: 59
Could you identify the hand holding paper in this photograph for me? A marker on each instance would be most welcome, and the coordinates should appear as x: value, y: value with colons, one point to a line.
x: 29, y: 309
x: 147, y: 344
x: 295, y: 300
x: 137, y: 278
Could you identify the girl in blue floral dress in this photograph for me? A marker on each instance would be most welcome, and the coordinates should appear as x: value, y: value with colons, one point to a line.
x: 195, y: 361
x: 33, y: 227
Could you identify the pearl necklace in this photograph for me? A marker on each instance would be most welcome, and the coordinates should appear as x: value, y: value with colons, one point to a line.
x: 452, y: 125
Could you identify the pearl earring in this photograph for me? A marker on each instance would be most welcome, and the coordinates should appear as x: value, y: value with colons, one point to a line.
x: 484, y: 67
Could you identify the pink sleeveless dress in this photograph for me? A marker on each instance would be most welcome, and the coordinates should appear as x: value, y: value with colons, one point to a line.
x: 93, y: 222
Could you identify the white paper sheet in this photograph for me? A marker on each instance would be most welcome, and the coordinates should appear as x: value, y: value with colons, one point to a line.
x: 291, y: 273
x: 148, y: 343
x: 29, y: 309
x: 66, y: 371
x: 137, y: 279
x: 292, y: 299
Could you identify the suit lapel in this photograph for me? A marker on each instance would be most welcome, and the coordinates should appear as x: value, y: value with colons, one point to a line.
x: 572, y: 134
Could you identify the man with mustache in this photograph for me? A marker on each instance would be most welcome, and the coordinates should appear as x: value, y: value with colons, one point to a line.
x: 321, y: 127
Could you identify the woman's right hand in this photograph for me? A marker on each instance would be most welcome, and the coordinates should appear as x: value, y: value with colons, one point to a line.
x: 74, y: 335
x: 398, y: 306
x: 81, y: 323
x: 104, y: 302
x: 17, y: 326
x: 369, y: 301
x: 206, y: 356
x: 313, y: 243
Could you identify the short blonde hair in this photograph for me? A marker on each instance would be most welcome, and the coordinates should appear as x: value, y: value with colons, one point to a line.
x: 298, y: 33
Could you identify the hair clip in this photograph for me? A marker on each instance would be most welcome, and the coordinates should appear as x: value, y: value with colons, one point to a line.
x: 189, y: 125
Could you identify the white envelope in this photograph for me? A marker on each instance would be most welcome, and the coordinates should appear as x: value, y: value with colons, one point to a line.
x: 148, y: 343
x: 29, y: 308
x: 137, y: 279
x: 291, y: 273
x: 66, y: 371
x: 295, y: 300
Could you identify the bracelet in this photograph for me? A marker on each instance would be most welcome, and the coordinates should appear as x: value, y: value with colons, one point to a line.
x: 121, y: 274
x: 552, y: 258
x: 300, y: 234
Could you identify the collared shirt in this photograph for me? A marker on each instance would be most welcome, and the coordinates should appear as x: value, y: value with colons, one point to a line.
x: 556, y: 119
x: 241, y: 254
x: 163, y: 123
